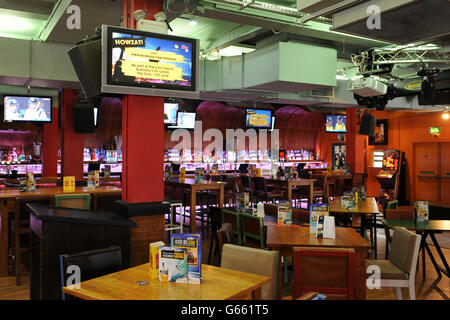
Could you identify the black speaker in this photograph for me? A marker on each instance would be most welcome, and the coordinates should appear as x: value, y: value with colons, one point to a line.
x: 83, y: 118
x: 368, y: 124
x: 87, y: 60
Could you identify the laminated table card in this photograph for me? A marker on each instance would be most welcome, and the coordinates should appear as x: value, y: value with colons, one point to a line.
x: 326, y: 227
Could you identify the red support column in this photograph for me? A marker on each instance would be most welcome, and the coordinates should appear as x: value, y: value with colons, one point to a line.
x: 71, y: 142
x: 142, y: 149
x: 355, y: 143
x: 142, y: 131
x: 50, y: 147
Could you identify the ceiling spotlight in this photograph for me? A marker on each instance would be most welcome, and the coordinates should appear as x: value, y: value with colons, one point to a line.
x: 140, y: 14
x: 445, y: 116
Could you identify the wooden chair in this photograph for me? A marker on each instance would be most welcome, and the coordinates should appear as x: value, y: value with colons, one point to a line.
x: 320, y: 187
x: 233, y: 218
x: 247, y: 186
x: 74, y: 201
x: 92, y: 264
x: 224, y: 235
x: 230, y: 190
x: 252, y: 231
x: 262, y: 194
x: 330, y: 271
x: 21, y: 231
x: 400, y: 270
x: 256, y: 261
x: 215, y: 215
x: 406, y: 213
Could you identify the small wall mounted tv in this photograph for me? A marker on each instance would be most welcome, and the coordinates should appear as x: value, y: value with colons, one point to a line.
x: 258, y: 118
x: 185, y: 120
x: 27, y: 108
x: 336, y: 123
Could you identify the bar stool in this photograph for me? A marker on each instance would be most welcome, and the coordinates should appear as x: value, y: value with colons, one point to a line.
x: 172, y: 225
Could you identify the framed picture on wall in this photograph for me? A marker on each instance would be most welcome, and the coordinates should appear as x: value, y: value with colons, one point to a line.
x: 380, y: 136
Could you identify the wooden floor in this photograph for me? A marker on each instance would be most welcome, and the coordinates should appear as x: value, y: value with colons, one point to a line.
x: 431, y: 288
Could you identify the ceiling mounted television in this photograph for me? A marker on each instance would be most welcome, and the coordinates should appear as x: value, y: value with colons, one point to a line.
x: 26, y: 108
x: 185, y: 120
x: 144, y: 63
x: 170, y: 113
x: 257, y: 118
x: 336, y: 123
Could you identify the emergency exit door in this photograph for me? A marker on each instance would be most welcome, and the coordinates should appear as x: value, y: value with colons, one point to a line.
x: 432, y: 171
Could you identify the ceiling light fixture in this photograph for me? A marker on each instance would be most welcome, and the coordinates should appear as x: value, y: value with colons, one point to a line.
x: 12, y: 23
x: 445, y: 116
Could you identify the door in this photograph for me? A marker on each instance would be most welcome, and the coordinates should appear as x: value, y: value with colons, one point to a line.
x: 426, y: 157
x: 445, y: 172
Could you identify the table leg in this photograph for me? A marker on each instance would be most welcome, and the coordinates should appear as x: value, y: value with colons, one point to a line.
x: 375, y: 247
x: 430, y: 254
x: 4, y: 238
x: 438, y: 249
x: 289, y: 191
x: 360, y: 274
x: 221, y: 195
x: 422, y: 247
x: 256, y: 294
x: 311, y: 189
x: 193, y: 209
x: 363, y: 226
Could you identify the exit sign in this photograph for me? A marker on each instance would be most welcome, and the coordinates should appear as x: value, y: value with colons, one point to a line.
x: 434, y: 130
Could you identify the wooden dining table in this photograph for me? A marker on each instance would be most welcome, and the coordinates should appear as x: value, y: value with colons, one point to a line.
x: 363, y: 208
x: 8, y: 197
x: 193, y: 186
x: 135, y: 284
x: 290, y: 184
x: 283, y: 238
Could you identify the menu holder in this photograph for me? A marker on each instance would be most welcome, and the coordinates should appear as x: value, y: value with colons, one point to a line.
x: 192, y: 242
x: 69, y: 184
x: 31, y: 182
x: 242, y: 202
x: 421, y: 211
x: 173, y: 264
x: 199, y: 175
x: 316, y: 211
x: 91, y: 181
x: 326, y: 227
x: 154, y: 258
x: 182, y: 174
x: 168, y: 172
x: 285, y: 212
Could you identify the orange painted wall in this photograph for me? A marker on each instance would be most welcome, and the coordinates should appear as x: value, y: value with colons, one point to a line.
x: 405, y: 129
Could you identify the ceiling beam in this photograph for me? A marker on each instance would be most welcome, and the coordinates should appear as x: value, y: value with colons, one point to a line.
x: 58, y: 11
x: 27, y: 8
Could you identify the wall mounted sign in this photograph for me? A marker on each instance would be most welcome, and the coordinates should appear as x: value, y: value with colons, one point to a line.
x: 434, y: 130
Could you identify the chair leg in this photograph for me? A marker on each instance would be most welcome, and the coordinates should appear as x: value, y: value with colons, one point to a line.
x: 17, y: 256
x: 412, y: 290
x: 398, y: 293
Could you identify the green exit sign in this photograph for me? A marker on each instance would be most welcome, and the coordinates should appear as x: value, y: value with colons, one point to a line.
x: 435, y: 130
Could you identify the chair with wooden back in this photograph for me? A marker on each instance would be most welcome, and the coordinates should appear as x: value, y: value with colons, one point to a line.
x: 74, y: 201
x: 233, y: 218
x: 224, y: 235
x: 399, y: 213
x: 91, y: 264
x: 252, y: 231
x: 230, y: 190
x: 329, y: 271
x: 256, y: 261
x: 320, y: 187
x: 262, y: 194
x: 400, y: 270
x: 247, y: 186
x: 215, y: 216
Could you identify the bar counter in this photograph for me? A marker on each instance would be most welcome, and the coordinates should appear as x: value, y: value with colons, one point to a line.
x: 8, y: 198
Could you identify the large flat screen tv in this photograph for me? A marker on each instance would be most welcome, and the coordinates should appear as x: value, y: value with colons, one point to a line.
x: 257, y: 118
x: 336, y: 123
x: 144, y: 63
x: 170, y: 113
x: 185, y: 120
x: 25, y: 108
